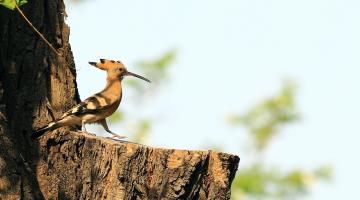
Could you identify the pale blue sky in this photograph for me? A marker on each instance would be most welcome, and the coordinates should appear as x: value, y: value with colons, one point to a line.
x: 231, y: 54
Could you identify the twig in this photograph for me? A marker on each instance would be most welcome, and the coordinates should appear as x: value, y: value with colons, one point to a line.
x: 32, y: 26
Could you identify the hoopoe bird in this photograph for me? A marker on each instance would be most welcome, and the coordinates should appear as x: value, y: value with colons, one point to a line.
x: 98, y: 107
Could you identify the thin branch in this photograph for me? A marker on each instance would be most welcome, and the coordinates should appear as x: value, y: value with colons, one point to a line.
x: 32, y: 26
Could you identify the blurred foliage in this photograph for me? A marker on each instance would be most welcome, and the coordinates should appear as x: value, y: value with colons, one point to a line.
x: 116, y: 117
x: 139, y: 128
x: 157, y: 70
x: 141, y: 131
x: 259, y: 180
x: 11, y: 4
x: 264, y: 119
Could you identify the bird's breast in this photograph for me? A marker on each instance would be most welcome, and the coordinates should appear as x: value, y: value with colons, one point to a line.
x: 112, y: 108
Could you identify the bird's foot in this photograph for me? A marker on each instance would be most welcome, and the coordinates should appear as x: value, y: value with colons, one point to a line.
x: 116, y: 136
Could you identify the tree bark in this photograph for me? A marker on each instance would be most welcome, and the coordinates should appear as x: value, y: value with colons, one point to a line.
x: 37, y: 86
x: 80, y: 166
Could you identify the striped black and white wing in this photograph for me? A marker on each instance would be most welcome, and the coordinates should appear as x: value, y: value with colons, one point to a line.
x: 90, y: 105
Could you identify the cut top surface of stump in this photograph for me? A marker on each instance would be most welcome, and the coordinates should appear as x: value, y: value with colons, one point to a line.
x: 80, y: 166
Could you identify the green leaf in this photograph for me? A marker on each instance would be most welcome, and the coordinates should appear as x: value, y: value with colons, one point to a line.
x: 11, y: 4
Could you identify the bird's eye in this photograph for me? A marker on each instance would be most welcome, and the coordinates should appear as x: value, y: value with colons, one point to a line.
x: 121, y: 69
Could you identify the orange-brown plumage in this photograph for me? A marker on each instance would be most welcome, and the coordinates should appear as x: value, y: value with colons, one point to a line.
x: 98, y: 107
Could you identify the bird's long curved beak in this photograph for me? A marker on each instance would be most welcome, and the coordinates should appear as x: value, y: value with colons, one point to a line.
x: 137, y: 76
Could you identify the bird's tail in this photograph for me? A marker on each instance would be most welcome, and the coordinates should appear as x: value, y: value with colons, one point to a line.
x: 41, y: 131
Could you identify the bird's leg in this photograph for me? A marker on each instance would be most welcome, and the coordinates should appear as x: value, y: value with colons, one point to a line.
x: 104, y: 124
x: 83, y: 128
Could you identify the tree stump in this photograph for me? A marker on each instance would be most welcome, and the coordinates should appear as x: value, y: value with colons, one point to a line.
x: 81, y: 166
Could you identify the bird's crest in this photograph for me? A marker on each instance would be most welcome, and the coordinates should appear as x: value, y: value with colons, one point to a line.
x: 105, y: 64
x: 115, y: 69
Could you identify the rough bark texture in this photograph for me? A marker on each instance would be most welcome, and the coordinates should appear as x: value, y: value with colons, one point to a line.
x: 37, y: 86
x: 81, y: 166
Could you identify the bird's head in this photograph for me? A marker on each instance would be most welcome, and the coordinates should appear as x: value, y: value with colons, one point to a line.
x: 115, y: 69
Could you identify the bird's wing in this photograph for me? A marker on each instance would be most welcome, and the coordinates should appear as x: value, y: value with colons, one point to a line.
x: 90, y: 105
